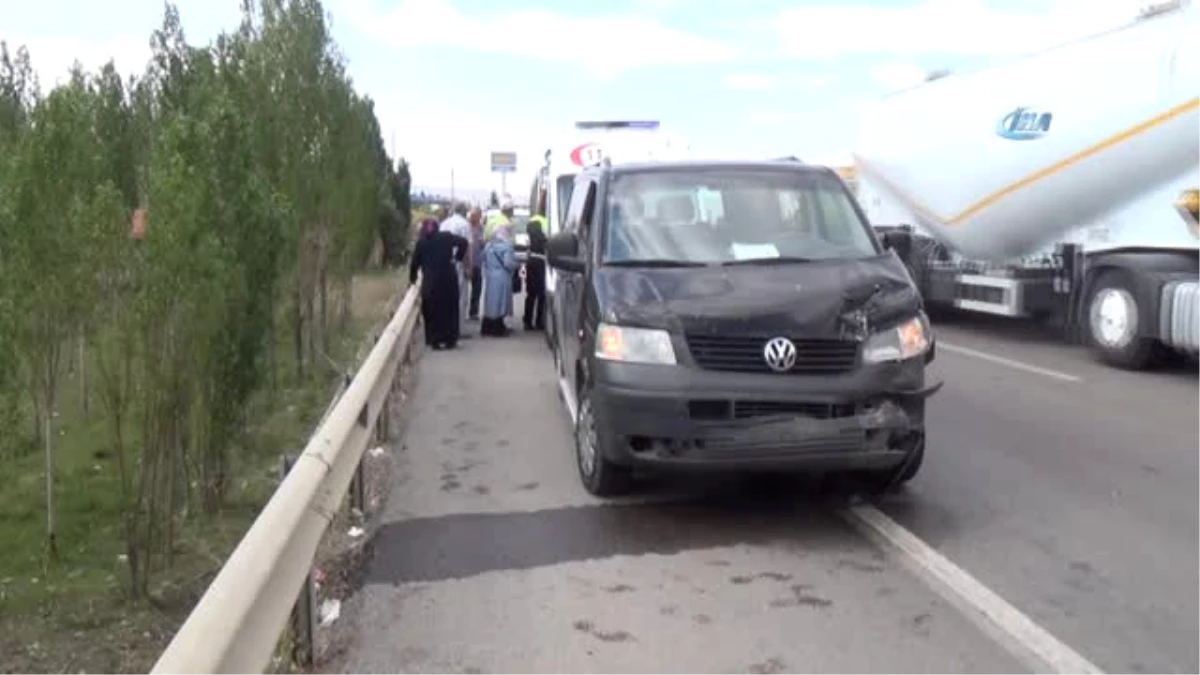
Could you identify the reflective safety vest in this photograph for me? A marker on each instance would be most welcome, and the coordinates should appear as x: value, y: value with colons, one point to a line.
x: 493, y: 222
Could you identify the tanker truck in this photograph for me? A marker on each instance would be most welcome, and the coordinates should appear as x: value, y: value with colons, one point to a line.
x: 1059, y: 187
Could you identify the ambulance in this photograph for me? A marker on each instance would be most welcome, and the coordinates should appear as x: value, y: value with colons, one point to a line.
x: 587, y: 145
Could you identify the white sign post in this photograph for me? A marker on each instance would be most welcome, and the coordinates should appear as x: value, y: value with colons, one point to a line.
x: 504, y: 163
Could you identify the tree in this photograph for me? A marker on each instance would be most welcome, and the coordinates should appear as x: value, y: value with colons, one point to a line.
x: 264, y: 184
x: 395, y: 218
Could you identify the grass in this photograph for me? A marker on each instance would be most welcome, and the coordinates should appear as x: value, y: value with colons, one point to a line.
x: 74, y: 615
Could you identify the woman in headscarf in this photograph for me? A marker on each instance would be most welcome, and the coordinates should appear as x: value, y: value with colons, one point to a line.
x: 535, y: 276
x: 499, y: 263
x: 434, y: 256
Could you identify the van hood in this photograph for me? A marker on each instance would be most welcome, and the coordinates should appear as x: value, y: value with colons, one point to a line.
x: 828, y: 299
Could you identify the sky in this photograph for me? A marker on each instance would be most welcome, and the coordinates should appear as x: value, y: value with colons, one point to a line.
x: 454, y: 80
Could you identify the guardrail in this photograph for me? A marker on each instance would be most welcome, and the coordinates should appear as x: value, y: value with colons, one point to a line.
x: 236, y: 625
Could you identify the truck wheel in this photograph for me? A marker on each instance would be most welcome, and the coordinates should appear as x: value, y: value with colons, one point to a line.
x: 1113, y: 321
x: 599, y: 475
x: 882, y: 482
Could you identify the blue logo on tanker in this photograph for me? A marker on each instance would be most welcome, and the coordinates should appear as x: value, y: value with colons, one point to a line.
x: 1024, y: 124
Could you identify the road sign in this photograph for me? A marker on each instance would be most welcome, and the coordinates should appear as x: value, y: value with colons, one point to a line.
x: 504, y: 162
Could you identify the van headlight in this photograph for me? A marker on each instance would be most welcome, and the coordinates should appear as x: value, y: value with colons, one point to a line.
x: 634, y: 345
x: 908, y: 340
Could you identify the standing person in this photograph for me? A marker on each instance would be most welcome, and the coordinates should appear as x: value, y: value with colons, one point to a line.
x: 535, y: 276
x: 475, y: 218
x: 434, y: 257
x: 501, y: 217
x: 458, y: 225
x: 499, y: 262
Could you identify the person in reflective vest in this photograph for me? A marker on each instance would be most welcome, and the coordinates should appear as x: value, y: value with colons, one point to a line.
x: 535, y: 276
x: 494, y: 221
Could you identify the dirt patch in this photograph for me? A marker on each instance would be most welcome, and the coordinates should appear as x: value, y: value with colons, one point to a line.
x: 342, y: 559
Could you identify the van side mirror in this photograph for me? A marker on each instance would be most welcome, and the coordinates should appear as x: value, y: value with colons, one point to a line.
x: 898, y: 241
x: 562, y: 252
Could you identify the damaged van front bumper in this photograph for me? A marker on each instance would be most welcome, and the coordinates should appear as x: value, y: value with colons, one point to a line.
x: 671, y: 417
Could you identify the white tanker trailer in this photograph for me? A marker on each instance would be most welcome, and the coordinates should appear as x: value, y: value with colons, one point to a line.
x: 1061, y: 185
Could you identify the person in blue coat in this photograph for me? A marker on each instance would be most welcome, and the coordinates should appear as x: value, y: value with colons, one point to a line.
x: 498, y: 264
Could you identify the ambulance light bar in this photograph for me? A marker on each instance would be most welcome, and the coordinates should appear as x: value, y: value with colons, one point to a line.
x: 617, y: 124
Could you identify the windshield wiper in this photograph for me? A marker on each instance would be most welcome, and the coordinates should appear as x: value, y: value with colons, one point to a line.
x: 778, y: 260
x: 654, y: 262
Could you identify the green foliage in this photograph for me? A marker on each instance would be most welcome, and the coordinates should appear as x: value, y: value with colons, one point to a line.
x: 395, y: 214
x: 265, y: 184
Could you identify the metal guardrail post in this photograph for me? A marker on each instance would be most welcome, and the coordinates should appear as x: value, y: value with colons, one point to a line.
x: 304, y: 613
x: 358, y: 492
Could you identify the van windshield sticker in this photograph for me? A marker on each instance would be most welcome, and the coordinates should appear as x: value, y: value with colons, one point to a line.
x: 754, y: 251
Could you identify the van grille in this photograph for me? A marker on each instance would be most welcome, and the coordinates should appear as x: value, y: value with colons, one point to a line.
x: 719, y: 409
x: 745, y: 354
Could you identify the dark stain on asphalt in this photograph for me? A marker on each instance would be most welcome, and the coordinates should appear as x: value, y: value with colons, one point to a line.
x: 619, y: 588
x: 869, y: 568
x: 464, y: 545
x: 604, y: 636
x: 801, y: 598
x: 528, y: 486
x: 480, y: 490
x: 743, y: 579
x: 769, y: 667
x: 920, y: 624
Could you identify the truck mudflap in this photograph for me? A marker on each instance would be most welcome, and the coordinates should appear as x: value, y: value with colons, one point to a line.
x: 1179, y: 315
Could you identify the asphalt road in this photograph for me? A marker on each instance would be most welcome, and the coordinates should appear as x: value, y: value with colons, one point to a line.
x: 1065, y: 488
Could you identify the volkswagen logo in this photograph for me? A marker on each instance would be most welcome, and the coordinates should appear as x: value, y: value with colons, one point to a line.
x: 780, y: 354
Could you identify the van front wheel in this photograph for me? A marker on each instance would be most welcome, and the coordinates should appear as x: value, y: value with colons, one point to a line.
x: 599, y: 475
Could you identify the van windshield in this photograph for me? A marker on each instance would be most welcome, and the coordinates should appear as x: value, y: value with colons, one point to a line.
x: 725, y: 217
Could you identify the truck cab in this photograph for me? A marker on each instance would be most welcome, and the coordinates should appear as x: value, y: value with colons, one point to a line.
x: 734, y: 316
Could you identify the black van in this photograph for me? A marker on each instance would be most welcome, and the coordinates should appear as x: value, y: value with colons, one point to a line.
x: 735, y: 316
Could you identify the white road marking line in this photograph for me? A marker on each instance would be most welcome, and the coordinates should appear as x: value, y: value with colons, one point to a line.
x: 1013, y: 630
x: 1019, y: 365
